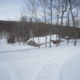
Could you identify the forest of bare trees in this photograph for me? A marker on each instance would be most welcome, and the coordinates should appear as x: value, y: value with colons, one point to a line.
x: 59, y: 12
x: 42, y: 18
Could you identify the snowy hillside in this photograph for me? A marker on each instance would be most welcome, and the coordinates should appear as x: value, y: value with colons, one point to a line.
x: 55, y: 63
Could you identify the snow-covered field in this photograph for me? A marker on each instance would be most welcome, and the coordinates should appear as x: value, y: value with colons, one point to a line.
x: 55, y: 63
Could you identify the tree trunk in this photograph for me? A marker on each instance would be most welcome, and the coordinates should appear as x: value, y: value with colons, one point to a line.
x: 51, y: 21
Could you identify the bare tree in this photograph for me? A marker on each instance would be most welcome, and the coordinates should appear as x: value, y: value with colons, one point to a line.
x: 30, y: 9
x: 44, y: 6
x: 57, y: 7
x: 73, y: 4
x: 68, y: 12
x: 51, y: 20
x: 63, y: 8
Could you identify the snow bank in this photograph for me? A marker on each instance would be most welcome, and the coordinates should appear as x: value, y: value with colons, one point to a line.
x: 42, y: 39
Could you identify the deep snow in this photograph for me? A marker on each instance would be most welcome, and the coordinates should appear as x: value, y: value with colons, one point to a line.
x: 55, y: 63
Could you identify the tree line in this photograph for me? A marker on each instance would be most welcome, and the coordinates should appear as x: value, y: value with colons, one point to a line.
x: 22, y: 31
